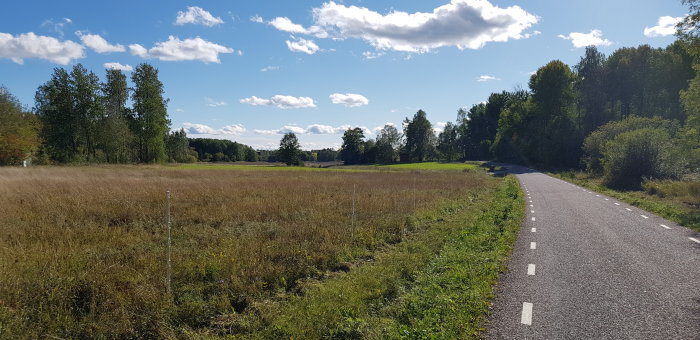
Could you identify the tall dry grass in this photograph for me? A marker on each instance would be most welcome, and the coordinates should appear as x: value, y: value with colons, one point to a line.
x: 82, y: 249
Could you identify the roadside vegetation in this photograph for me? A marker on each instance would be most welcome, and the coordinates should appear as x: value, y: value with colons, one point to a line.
x: 83, y: 249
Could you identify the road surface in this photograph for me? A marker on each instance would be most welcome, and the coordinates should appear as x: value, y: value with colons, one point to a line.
x: 587, y: 266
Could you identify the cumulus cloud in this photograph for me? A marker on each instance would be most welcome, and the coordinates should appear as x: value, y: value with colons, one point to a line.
x: 461, y: 23
x: 313, y: 129
x: 201, y: 129
x: 486, y: 78
x: 280, y: 101
x: 118, y: 66
x: 303, y: 46
x: 286, y: 25
x: 665, y: 26
x: 257, y: 18
x: 99, y: 44
x: 198, y: 16
x: 30, y: 45
x: 214, y: 103
x: 188, y: 49
x: 349, y: 99
x: 594, y: 38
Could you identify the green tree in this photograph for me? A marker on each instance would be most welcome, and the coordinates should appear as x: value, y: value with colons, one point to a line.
x: 87, y: 106
x: 116, y: 138
x: 178, y: 148
x: 387, y: 145
x: 19, y: 130
x: 54, y: 105
x: 353, y: 146
x: 289, y: 149
x: 250, y: 155
x: 689, y: 33
x: 151, y: 116
x: 591, y: 85
x: 447, y: 143
x: 420, y: 138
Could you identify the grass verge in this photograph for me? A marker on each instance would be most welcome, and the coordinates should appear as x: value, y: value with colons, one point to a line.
x: 436, y: 284
x: 683, y: 209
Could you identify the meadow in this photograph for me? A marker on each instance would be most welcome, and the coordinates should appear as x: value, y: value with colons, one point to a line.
x: 83, y: 249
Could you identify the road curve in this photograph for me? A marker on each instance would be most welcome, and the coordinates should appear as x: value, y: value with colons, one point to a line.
x: 587, y: 266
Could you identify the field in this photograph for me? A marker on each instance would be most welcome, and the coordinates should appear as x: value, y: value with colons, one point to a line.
x: 83, y: 249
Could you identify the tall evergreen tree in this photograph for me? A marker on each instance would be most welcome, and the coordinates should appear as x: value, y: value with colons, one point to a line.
x: 151, y: 116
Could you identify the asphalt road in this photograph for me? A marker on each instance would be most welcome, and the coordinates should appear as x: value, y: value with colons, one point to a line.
x: 587, y: 266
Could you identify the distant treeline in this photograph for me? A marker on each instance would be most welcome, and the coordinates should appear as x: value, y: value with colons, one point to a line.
x: 632, y: 115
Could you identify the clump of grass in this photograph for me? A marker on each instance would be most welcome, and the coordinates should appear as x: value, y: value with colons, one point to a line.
x: 82, y: 249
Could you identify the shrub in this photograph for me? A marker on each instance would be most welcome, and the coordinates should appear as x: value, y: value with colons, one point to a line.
x: 644, y: 153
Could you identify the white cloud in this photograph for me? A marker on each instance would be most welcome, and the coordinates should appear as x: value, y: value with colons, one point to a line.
x: 280, y: 101
x: 349, y: 99
x: 201, y: 129
x: 286, y: 25
x: 99, y: 44
x: 257, y: 18
x: 313, y: 129
x: 666, y: 26
x: 188, y: 49
x: 486, y: 78
x: 269, y: 68
x: 214, y: 103
x: 57, y: 25
x: 30, y: 45
x: 197, y: 15
x: 594, y: 38
x: 118, y: 66
x: 461, y: 23
x: 303, y: 45
x: 372, y: 55
x: 439, y: 127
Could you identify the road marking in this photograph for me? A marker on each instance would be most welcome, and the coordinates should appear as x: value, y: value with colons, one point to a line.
x: 597, y: 195
x: 530, y: 201
x: 665, y: 226
x: 532, y: 211
x: 534, y: 230
x: 607, y: 199
x: 645, y: 217
x: 531, y: 269
x: 694, y: 240
x: 628, y: 209
x: 617, y: 203
x: 533, y: 219
x: 532, y: 206
x: 533, y: 245
x: 526, y: 317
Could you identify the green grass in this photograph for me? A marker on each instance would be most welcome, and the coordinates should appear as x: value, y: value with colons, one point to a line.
x: 264, y: 167
x: 677, y: 201
x: 436, y: 284
x: 435, y: 166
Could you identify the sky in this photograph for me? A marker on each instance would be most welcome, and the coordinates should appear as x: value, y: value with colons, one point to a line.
x: 249, y: 71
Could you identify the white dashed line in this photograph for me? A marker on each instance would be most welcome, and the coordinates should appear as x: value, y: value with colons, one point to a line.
x: 628, y: 209
x: 533, y: 245
x: 665, y: 226
x: 532, y: 211
x: 607, y: 199
x: 532, y: 206
x: 597, y: 195
x: 531, y: 269
x: 530, y: 201
x: 533, y: 219
x: 526, y: 317
x: 645, y: 217
x: 694, y: 240
x: 534, y: 230
x: 617, y: 203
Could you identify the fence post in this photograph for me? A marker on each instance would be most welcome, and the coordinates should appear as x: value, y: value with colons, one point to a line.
x: 352, y: 232
x: 168, y: 220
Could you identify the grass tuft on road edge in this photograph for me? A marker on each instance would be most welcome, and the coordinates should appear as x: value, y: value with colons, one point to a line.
x: 436, y: 285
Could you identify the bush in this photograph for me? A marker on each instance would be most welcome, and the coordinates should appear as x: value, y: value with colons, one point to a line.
x: 644, y: 153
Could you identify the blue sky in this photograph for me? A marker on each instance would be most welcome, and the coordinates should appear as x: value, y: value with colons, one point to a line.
x: 251, y: 70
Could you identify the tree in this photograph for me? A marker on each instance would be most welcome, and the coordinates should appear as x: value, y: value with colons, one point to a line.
x: 353, y: 146
x: 178, y: 148
x: 19, y: 130
x: 54, y: 106
x: 151, y: 120
x: 447, y: 143
x: 388, y: 142
x: 115, y: 136
x: 420, y: 138
x: 289, y: 149
x: 591, y: 85
x: 87, y: 106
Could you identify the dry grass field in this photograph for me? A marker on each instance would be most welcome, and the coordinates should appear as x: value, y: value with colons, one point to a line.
x: 83, y: 249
